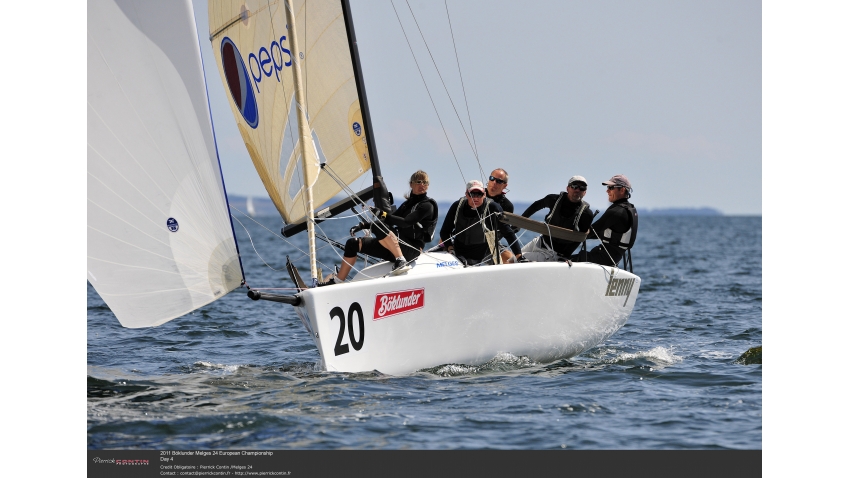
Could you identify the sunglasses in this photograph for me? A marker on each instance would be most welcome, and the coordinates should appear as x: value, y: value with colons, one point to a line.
x: 420, y: 181
x: 614, y: 187
x: 498, y: 181
x: 579, y: 187
x: 476, y: 194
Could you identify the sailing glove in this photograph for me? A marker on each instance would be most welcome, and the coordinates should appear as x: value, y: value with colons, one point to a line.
x: 359, y: 227
x: 379, y: 213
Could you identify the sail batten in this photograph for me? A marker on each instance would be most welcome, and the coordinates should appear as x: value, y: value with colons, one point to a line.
x: 160, y: 243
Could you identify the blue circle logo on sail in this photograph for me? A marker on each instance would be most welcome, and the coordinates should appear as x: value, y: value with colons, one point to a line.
x: 239, y: 82
x: 172, y: 225
x: 357, y: 129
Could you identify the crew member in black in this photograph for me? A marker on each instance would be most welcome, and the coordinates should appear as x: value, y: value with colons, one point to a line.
x: 415, y: 219
x: 617, y: 228
x: 474, y: 220
x: 496, y: 191
x: 567, y: 210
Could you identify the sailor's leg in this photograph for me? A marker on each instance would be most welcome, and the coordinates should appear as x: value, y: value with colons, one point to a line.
x: 352, y: 246
x: 390, y: 242
x: 507, y: 256
x: 537, y: 251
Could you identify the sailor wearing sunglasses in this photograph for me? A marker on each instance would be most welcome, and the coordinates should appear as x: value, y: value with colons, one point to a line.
x: 414, y: 221
x: 617, y: 228
x: 567, y: 210
x: 472, y: 229
x: 496, y: 189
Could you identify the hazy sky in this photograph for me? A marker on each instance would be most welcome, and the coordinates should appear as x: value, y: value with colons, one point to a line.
x: 666, y: 92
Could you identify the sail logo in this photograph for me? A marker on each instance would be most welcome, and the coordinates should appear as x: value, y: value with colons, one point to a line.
x: 239, y: 82
x: 268, y: 61
x: 399, y: 302
x: 357, y: 129
x: 172, y: 225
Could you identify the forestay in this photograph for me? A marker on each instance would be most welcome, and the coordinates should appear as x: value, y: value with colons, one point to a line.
x: 250, y: 40
x: 160, y: 241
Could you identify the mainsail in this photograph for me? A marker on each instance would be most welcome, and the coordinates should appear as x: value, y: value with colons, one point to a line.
x: 250, y: 40
x: 160, y: 240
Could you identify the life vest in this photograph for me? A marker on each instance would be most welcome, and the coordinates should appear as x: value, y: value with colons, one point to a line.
x: 555, y: 218
x: 473, y: 235
x: 424, y: 230
x: 625, y: 240
x: 478, y: 232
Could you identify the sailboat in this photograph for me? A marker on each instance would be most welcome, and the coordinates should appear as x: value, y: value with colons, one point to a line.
x: 309, y: 138
x: 249, y: 207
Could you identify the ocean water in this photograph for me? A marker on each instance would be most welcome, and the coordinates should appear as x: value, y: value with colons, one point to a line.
x: 241, y: 374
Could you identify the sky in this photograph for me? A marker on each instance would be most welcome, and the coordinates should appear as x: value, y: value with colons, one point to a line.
x: 668, y: 93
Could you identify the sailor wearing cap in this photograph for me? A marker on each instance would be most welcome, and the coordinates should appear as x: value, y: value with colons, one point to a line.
x: 472, y: 229
x: 567, y: 210
x: 617, y: 228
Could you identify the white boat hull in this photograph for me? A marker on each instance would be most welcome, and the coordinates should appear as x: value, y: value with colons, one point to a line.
x: 447, y: 314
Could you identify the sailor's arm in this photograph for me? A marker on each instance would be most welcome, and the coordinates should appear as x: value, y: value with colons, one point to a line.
x: 535, y: 206
x: 424, y: 210
x: 508, y: 233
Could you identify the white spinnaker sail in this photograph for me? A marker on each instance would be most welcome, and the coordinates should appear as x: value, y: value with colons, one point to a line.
x: 251, y: 46
x: 160, y: 241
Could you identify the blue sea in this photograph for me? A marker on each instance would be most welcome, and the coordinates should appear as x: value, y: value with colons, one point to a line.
x: 240, y: 374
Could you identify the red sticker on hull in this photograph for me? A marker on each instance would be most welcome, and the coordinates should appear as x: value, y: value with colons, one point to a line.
x: 399, y: 302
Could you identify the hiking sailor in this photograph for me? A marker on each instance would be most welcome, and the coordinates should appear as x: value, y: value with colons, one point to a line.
x: 415, y: 219
x: 617, y: 228
x: 474, y: 221
x: 496, y: 189
x: 567, y: 210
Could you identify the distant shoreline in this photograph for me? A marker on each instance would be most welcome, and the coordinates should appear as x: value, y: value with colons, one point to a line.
x: 264, y: 207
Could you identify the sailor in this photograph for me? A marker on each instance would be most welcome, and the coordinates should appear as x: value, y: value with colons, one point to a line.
x: 415, y: 220
x: 471, y: 229
x: 617, y: 228
x: 496, y: 189
x: 567, y: 210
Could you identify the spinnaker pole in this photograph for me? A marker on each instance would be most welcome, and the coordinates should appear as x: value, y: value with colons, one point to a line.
x: 310, y: 170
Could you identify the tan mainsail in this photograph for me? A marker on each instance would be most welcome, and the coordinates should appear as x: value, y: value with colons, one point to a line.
x: 252, y: 50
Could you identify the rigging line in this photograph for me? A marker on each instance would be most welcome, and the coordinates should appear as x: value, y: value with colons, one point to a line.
x: 604, y: 249
x: 304, y: 254
x: 328, y: 240
x: 354, y: 196
x: 474, y: 151
x: 428, y: 91
x: 463, y: 87
x: 342, y: 184
x: 274, y: 288
x: 340, y: 245
x: 253, y: 246
x: 442, y: 242
x: 365, y: 257
x: 378, y: 222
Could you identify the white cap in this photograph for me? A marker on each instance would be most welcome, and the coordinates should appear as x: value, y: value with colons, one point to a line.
x: 577, y: 179
x: 475, y: 184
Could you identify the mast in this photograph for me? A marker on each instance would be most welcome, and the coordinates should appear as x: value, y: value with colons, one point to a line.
x: 377, y: 179
x: 378, y: 189
x: 310, y: 170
